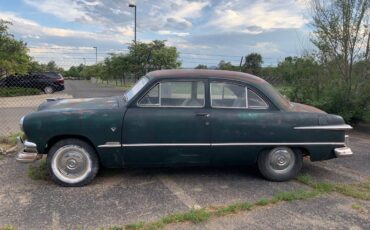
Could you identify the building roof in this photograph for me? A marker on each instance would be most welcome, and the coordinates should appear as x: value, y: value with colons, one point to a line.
x: 219, y: 74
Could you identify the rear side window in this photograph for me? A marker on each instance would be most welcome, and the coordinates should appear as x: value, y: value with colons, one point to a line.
x: 255, y: 101
x: 175, y: 94
x: 230, y: 95
x: 227, y: 95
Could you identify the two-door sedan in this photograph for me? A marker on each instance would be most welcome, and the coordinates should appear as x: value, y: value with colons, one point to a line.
x: 181, y: 117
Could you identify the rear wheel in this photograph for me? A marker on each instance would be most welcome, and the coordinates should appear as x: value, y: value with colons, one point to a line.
x: 280, y: 164
x: 72, y: 163
x: 49, y: 90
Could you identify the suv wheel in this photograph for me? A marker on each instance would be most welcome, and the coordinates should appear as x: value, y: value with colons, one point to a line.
x: 72, y: 163
x: 49, y: 90
x: 280, y: 164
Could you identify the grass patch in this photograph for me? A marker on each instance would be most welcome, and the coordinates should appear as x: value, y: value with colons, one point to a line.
x: 305, y: 179
x: 135, y: 226
x: 1, y: 157
x: 233, y: 208
x: 358, y: 191
x: 194, y: 216
x: 119, y: 228
x: 324, y: 187
x: 294, y: 195
x: 17, y: 91
x: 11, y: 139
x: 198, y: 216
x: 262, y: 202
x: 38, y: 171
x: 7, y: 227
x: 356, y: 206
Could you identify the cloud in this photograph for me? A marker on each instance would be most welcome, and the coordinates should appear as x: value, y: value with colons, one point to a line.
x: 264, y: 15
x: 230, y: 27
x: 67, y: 10
x: 188, y: 9
x: 168, y: 32
x: 31, y: 29
x: 163, y: 14
x: 177, y: 23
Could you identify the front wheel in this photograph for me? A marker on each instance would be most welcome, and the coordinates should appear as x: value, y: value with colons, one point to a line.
x: 280, y: 164
x: 72, y: 163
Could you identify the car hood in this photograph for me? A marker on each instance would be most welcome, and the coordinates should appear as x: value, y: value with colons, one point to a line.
x: 81, y: 103
x: 297, y: 107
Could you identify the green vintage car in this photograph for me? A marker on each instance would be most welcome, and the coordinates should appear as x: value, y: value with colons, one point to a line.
x: 181, y: 117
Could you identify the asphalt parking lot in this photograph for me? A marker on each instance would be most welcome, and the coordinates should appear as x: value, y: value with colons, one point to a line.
x: 118, y: 197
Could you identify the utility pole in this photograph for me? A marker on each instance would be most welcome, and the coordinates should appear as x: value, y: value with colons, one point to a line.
x: 134, y: 6
x: 241, y: 62
x: 96, y: 54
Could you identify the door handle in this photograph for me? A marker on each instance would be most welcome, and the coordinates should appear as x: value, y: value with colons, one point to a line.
x: 202, y: 114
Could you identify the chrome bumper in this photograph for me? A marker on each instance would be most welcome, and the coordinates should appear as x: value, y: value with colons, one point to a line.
x: 343, y: 152
x: 27, y: 151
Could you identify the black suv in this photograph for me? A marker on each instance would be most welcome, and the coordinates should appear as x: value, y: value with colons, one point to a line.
x: 49, y: 82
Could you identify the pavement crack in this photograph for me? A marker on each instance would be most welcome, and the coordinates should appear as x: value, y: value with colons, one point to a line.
x: 179, y: 192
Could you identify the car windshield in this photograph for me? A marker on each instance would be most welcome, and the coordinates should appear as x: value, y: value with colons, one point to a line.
x: 136, y: 88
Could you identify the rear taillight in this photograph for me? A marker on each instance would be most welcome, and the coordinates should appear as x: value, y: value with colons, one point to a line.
x: 60, y: 80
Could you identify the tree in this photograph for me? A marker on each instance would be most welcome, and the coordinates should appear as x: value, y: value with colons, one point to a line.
x: 145, y: 57
x: 253, y: 63
x: 201, y: 66
x: 342, y: 36
x: 341, y: 29
x: 13, y: 53
x: 223, y: 65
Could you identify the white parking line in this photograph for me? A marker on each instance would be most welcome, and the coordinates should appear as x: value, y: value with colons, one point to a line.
x: 179, y: 192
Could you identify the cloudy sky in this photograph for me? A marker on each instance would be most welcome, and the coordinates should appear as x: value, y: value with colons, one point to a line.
x: 204, y: 31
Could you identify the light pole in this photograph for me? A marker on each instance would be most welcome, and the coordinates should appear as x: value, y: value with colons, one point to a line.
x: 96, y: 54
x: 134, y: 6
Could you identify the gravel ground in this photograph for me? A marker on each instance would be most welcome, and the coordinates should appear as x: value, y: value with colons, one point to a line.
x: 125, y: 196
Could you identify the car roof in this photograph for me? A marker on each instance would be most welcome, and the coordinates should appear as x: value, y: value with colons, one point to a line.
x: 216, y: 74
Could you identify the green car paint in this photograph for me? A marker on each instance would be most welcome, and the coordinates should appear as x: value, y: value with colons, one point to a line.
x: 125, y: 134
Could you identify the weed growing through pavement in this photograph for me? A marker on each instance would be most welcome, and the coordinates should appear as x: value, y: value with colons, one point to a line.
x: 38, y: 171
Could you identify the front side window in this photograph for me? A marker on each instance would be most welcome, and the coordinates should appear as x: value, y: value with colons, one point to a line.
x: 175, y: 94
x: 229, y: 95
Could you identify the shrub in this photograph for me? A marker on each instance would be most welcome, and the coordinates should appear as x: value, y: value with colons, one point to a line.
x: 18, y: 91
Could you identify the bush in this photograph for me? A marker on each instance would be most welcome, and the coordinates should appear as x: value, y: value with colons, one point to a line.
x: 17, y: 91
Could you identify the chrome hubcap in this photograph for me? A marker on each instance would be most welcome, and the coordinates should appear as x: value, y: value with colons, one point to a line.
x: 48, y: 90
x: 281, y: 159
x: 71, y: 164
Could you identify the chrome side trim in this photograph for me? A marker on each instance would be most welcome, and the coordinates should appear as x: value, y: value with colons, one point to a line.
x: 110, y: 145
x: 326, y: 127
x: 231, y: 144
x: 165, y: 144
x: 277, y: 143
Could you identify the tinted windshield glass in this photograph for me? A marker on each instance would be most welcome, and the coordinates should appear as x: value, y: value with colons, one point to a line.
x: 136, y: 88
